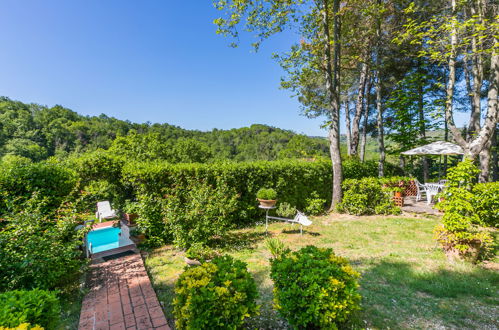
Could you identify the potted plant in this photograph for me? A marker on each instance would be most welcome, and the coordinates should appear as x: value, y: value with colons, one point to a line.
x: 137, y: 236
x: 130, y: 212
x: 267, y: 197
x: 397, y: 191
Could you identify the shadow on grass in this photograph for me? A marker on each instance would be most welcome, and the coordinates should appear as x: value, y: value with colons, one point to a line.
x: 397, y: 296
x: 297, y: 231
x: 239, y: 240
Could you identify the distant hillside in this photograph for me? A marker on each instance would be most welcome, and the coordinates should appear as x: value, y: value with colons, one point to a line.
x: 38, y: 132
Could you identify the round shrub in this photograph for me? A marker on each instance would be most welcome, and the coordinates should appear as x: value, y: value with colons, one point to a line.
x: 216, y: 295
x: 314, y: 288
x: 37, y: 307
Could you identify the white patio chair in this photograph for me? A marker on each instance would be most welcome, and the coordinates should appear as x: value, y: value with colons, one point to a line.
x: 421, y: 189
x: 104, y: 211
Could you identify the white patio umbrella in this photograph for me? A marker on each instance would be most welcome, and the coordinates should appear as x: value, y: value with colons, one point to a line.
x: 436, y: 148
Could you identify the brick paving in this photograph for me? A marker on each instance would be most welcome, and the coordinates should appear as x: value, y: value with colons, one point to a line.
x: 121, y: 297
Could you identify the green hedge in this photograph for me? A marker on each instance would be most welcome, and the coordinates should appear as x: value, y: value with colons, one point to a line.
x: 36, y: 306
x: 304, y: 185
x: 20, y: 179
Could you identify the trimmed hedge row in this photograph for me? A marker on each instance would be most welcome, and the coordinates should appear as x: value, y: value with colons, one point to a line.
x: 298, y: 183
x: 293, y: 180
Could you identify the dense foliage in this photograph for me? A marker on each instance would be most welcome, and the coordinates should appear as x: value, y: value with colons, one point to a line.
x: 367, y: 196
x: 314, y: 288
x: 215, y: 295
x: 486, y: 204
x: 39, y: 251
x: 463, y: 209
x: 20, y: 179
x: 199, y: 213
x: 37, y: 307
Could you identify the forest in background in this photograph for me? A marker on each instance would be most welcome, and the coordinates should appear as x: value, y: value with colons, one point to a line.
x: 38, y: 132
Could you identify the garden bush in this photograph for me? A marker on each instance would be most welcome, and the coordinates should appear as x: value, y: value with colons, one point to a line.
x: 215, y: 295
x: 366, y: 196
x: 39, y: 251
x: 463, y: 210
x: 486, y: 203
x: 199, y: 213
x: 315, y: 205
x: 20, y: 179
x: 314, y: 288
x: 36, y: 307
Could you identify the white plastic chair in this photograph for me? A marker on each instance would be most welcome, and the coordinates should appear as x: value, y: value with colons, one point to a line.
x: 104, y: 211
x: 421, y: 189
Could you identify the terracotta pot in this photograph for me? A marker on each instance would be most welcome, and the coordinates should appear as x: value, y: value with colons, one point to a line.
x: 130, y: 218
x: 267, y: 202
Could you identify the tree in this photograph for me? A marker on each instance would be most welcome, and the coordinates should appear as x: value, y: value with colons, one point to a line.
x: 318, y: 23
x: 452, y: 36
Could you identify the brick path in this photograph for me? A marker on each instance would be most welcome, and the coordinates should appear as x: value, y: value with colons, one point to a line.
x: 121, y: 297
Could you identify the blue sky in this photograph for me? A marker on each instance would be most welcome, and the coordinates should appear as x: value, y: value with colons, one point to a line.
x: 157, y: 61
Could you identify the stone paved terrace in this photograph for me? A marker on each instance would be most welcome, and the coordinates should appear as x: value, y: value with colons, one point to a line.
x: 413, y: 206
x: 121, y: 297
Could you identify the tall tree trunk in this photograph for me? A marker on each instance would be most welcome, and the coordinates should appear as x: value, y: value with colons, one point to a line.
x: 379, y: 105
x: 332, y: 86
x: 489, y: 126
x: 485, y: 158
x: 474, y: 146
x: 495, y: 164
x: 421, y: 119
x: 358, y: 109
x: 363, y: 137
x: 381, y: 133
x: 349, y: 130
x: 477, y: 70
x: 451, y: 82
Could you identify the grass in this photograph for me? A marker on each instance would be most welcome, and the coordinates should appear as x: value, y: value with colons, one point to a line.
x: 406, y: 282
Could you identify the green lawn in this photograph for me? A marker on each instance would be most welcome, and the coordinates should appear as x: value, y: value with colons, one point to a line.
x: 406, y: 280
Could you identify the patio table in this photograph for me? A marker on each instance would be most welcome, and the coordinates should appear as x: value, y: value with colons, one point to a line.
x: 432, y: 188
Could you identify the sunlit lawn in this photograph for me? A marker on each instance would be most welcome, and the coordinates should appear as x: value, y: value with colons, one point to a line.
x: 406, y: 280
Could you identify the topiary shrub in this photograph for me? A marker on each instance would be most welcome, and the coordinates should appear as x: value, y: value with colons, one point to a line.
x: 37, y: 307
x: 314, y: 288
x: 366, y: 196
x: 215, y: 295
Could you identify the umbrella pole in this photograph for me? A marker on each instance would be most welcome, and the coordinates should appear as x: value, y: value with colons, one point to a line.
x: 440, y: 168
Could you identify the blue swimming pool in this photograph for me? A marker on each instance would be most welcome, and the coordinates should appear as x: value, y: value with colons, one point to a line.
x: 103, y: 239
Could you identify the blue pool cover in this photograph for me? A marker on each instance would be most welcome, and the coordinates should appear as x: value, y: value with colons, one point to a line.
x: 103, y: 239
